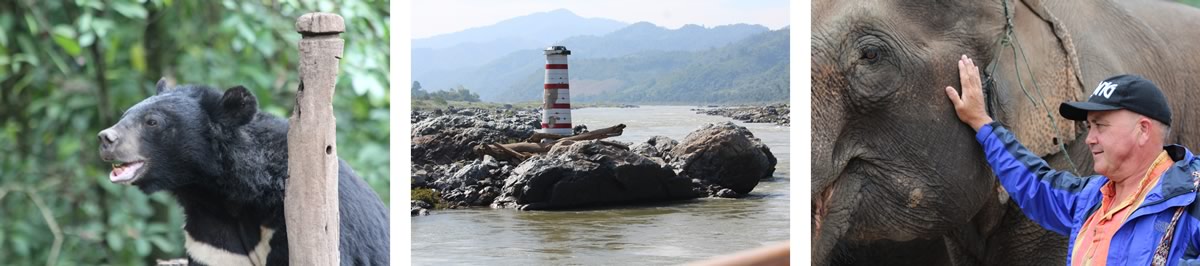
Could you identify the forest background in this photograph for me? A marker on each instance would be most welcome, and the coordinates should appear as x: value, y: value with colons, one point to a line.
x: 68, y: 69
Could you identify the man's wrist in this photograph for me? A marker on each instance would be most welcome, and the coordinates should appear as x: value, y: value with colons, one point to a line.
x: 980, y: 123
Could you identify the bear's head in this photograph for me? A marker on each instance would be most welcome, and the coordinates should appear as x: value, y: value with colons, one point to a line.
x: 170, y: 139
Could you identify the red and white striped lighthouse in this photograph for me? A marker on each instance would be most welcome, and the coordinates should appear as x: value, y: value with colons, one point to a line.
x: 556, y: 100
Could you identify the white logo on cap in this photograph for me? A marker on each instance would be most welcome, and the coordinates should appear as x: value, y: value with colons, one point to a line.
x: 1105, y: 89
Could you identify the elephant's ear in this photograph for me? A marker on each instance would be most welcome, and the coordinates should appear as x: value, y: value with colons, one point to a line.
x: 1048, y: 76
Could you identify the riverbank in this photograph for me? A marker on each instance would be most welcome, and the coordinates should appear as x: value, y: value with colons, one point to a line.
x: 779, y: 114
x: 430, y: 105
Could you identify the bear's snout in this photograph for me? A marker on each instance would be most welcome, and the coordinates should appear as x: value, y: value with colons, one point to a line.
x: 107, y: 138
x: 120, y: 144
x: 110, y: 144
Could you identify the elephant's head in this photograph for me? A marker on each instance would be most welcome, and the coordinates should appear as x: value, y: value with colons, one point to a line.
x: 891, y: 161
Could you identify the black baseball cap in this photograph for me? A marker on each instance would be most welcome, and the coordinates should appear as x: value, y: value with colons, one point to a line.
x: 1130, y: 92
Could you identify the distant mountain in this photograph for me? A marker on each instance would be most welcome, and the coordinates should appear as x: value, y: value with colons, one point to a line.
x: 476, y: 46
x: 644, y: 36
x: 493, y: 80
x: 753, y: 70
x: 545, y: 27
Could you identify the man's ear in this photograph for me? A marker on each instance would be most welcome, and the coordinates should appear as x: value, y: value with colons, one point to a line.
x: 1145, y: 126
x: 238, y: 107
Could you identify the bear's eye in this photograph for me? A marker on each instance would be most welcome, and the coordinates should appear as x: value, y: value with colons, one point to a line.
x: 151, y: 122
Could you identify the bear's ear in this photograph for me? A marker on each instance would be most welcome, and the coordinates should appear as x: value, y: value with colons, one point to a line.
x: 161, y: 86
x: 238, y: 107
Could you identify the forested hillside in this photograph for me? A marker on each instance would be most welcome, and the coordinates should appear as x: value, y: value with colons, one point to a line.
x: 643, y: 63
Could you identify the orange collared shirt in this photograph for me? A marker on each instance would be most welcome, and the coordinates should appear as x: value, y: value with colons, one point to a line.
x: 1091, y: 245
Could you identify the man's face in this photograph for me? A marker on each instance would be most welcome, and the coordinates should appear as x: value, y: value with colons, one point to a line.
x: 1112, y: 136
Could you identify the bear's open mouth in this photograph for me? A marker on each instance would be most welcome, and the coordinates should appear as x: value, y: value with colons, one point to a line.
x: 125, y: 173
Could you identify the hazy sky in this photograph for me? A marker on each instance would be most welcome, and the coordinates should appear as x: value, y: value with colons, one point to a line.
x: 433, y: 17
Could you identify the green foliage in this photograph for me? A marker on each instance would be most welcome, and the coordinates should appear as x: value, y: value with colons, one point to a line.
x: 427, y: 195
x: 418, y: 93
x: 457, y: 94
x: 439, y: 101
x: 70, y: 68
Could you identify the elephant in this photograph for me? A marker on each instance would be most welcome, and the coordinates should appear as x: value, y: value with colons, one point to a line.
x: 898, y: 179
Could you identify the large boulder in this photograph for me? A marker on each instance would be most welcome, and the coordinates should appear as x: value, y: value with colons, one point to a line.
x: 449, y: 138
x: 656, y: 147
x: 724, y: 154
x: 590, y: 173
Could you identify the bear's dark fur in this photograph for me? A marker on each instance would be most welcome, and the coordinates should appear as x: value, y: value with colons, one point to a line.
x: 226, y: 163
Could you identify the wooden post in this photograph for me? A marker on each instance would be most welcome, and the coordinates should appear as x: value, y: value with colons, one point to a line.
x: 311, y: 203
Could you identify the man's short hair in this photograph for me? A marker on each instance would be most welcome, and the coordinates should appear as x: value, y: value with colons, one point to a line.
x: 1166, y: 131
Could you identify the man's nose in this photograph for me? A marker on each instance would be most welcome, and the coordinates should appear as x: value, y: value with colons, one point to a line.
x: 108, y: 137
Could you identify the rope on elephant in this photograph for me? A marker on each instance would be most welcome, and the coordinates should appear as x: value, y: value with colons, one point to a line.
x: 1010, y: 40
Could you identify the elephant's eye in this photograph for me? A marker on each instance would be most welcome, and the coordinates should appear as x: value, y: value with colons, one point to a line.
x: 870, y: 54
x: 151, y: 122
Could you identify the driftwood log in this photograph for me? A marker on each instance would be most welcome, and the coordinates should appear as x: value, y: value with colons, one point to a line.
x: 541, y: 143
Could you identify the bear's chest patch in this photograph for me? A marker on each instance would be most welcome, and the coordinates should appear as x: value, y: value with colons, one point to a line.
x: 209, y: 254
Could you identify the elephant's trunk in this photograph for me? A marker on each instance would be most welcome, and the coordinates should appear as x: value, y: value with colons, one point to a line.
x: 829, y: 220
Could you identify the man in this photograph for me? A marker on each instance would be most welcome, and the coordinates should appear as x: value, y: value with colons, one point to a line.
x: 1140, y: 210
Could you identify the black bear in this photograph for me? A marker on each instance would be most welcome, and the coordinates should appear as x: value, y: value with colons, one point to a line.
x: 226, y: 164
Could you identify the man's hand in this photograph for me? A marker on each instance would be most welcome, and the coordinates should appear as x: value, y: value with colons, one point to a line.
x: 775, y: 254
x: 970, y: 106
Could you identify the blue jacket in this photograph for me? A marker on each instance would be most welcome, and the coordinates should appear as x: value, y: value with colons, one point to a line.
x: 1061, y: 201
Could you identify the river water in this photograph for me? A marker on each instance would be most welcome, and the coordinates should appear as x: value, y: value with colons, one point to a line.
x: 655, y: 234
